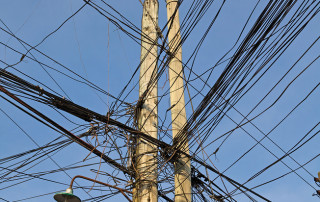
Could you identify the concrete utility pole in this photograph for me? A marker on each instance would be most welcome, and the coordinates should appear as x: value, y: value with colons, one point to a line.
x: 178, y: 113
x: 146, y: 154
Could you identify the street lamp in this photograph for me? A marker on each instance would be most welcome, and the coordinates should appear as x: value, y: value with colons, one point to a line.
x: 68, y: 195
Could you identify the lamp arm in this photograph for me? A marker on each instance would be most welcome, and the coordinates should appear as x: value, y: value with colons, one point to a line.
x: 99, y: 182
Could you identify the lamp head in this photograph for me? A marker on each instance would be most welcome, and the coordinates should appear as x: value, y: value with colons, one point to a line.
x: 66, y: 196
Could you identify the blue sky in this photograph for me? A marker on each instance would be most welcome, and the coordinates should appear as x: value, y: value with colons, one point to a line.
x: 81, y: 44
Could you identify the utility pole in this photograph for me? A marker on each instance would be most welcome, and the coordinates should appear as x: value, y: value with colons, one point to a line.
x: 178, y: 113
x: 146, y: 189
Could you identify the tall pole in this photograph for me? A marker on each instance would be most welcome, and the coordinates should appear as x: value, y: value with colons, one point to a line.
x: 147, y: 117
x: 178, y: 113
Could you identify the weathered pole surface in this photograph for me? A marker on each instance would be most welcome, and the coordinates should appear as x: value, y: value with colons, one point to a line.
x: 178, y: 112
x: 146, y: 154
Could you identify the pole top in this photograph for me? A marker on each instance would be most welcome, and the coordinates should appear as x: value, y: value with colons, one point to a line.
x: 171, y: 1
